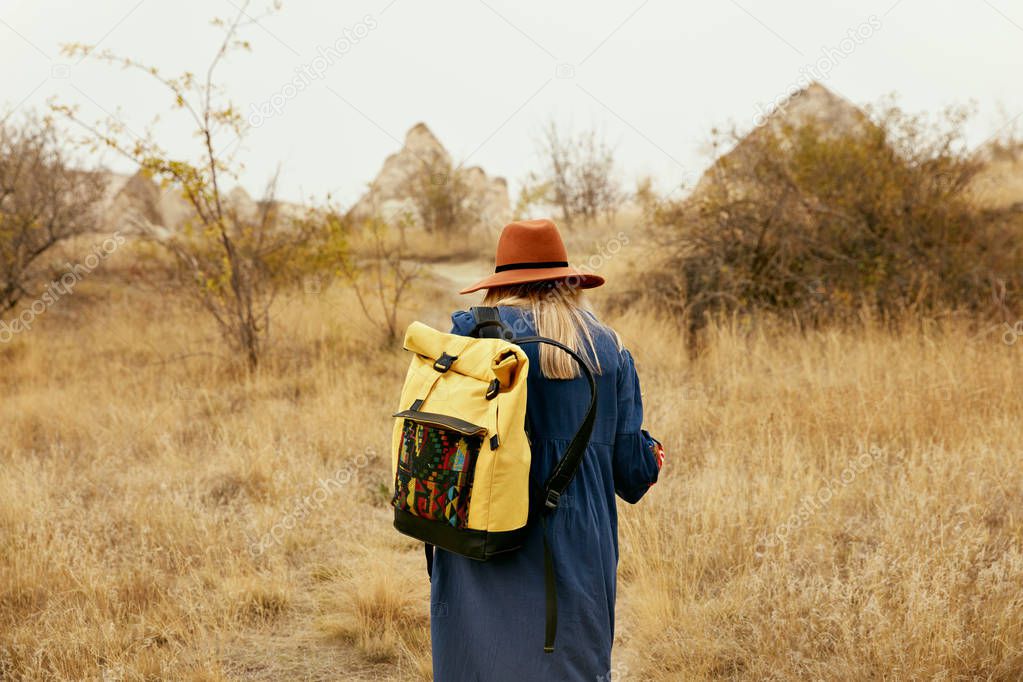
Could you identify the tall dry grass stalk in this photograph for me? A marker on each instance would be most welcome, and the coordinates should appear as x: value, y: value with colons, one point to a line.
x: 163, y: 516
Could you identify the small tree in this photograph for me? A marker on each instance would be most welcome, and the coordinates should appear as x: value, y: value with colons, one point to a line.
x: 578, y: 177
x: 381, y: 282
x: 43, y: 202
x: 229, y: 259
x: 442, y: 199
x: 378, y: 271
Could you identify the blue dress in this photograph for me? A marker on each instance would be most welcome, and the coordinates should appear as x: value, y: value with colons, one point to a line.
x: 487, y: 618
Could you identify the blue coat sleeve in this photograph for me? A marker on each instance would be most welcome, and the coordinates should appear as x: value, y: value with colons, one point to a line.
x: 461, y: 322
x: 634, y: 462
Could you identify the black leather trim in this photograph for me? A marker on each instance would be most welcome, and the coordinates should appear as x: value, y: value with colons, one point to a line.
x: 444, y: 421
x: 474, y: 544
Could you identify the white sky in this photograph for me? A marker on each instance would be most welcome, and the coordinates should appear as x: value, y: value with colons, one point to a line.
x: 654, y: 76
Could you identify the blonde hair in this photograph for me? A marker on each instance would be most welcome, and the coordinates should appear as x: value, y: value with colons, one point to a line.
x: 559, y: 312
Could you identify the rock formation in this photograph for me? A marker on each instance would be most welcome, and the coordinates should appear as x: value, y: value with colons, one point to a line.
x: 388, y: 195
x: 999, y: 184
x: 813, y: 104
x: 135, y: 202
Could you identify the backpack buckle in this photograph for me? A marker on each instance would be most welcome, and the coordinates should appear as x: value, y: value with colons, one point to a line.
x: 443, y: 363
x: 551, y: 502
x: 493, y: 389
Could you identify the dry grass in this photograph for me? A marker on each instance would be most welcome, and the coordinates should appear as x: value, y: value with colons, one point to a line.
x: 839, y: 506
x: 164, y: 517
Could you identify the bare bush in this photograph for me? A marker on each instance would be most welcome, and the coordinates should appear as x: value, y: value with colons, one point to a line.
x: 442, y: 198
x: 382, y: 280
x: 578, y: 177
x: 365, y: 255
x: 820, y: 224
x: 43, y: 202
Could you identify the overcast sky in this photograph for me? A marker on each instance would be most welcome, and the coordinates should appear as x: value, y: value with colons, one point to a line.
x: 349, y: 78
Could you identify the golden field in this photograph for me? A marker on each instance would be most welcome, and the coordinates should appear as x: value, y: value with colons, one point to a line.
x: 836, y: 505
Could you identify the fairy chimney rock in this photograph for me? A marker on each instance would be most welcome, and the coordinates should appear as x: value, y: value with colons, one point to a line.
x: 814, y: 104
x: 131, y: 202
x: 388, y: 196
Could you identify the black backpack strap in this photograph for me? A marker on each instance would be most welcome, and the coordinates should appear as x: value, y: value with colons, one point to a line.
x: 556, y: 485
x: 550, y: 593
x: 488, y: 324
x: 569, y: 463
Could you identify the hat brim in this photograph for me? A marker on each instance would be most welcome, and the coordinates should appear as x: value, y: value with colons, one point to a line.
x: 580, y: 279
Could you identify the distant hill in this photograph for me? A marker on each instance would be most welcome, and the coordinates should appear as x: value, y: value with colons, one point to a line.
x: 134, y: 201
x: 131, y: 199
x: 387, y: 195
x: 813, y: 104
x: 1000, y: 183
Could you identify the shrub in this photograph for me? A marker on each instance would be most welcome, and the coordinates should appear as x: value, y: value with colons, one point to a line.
x: 43, y: 202
x: 366, y: 256
x: 818, y: 224
x: 441, y: 196
x: 578, y: 177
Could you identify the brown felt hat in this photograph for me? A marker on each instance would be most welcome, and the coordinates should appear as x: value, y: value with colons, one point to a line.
x: 532, y: 251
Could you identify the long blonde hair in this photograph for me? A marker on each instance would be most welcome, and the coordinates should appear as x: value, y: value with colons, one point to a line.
x: 559, y: 312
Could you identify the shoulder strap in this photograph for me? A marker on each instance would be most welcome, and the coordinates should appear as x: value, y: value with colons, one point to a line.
x: 489, y: 325
x: 569, y: 463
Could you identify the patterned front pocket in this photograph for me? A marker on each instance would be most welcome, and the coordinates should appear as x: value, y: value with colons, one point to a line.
x: 436, y: 467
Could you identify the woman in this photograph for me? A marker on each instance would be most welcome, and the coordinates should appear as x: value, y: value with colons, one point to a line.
x: 487, y: 618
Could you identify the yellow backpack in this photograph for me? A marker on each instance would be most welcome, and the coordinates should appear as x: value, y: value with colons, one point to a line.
x: 460, y: 452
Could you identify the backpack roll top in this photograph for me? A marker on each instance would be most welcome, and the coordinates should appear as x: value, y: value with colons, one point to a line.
x: 460, y: 457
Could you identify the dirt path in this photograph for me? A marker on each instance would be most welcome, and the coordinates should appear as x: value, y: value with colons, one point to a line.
x: 460, y: 274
